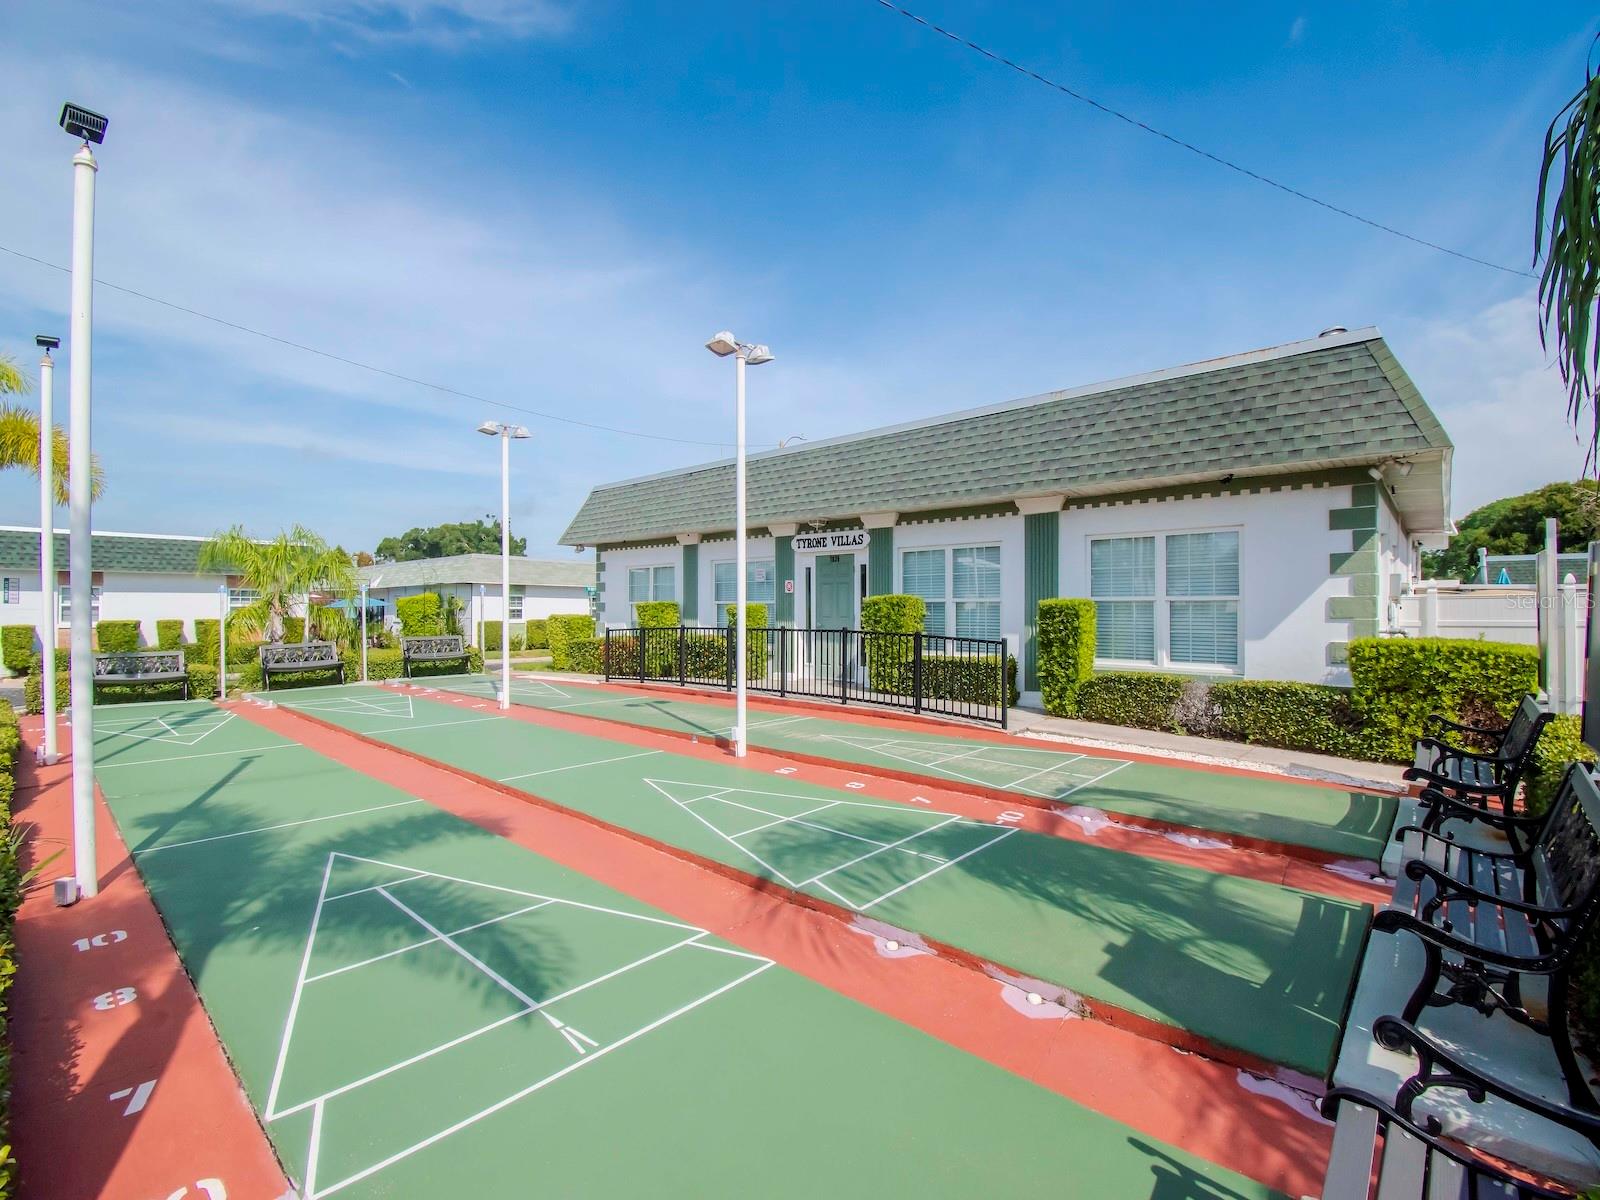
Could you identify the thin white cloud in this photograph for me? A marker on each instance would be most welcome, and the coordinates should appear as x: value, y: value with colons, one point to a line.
x: 442, y: 23
x: 1297, y: 30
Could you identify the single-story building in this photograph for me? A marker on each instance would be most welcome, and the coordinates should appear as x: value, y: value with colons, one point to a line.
x: 539, y: 587
x: 144, y: 577
x: 1245, y: 516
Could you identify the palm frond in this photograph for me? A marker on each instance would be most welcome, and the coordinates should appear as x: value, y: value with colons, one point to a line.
x: 19, y: 447
x: 12, y: 380
x: 1570, y: 279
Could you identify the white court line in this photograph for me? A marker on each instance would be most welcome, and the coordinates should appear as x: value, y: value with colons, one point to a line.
x: 372, y: 887
x: 534, y: 1087
x: 599, y: 762
x: 596, y: 703
x: 366, y: 962
x: 1021, y: 779
x: 935, y: 762
x: 313, y: 1150
x: 936, y: 870
x: 431, y: 725
x: 795, y: 820
x: 146, y: 704
x: 781, y: 721
x: 185, y: 737
x: 684, y: 805
x: 780, y: 820
x: 533, y: 1006
x: 222, y: 837
x: 149, y: 762
x: 1087, y: 782
x: 890, y: 846
x: 299, y: 986
x: 726, y: 950
x: 472, y: 958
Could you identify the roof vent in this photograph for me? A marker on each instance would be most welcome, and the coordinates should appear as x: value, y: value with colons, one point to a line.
x: 1331, y: 330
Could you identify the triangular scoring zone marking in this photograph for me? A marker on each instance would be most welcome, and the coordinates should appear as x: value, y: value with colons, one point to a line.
x: 903, y: 751
x: 185, y: 735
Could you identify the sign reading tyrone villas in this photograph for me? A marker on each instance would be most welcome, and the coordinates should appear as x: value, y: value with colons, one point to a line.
x: 831, y: 543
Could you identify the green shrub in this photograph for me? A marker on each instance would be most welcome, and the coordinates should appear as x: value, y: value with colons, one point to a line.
x: 202, y: 685
x: 206, y: 630
x: 491, y: 634
x: 420, y: 616
x: 1140, y: 699
x: 1066, y: 631
x: 657, y: 614
x: 562, y: 629
x: 517, y: 641
x: 1559, y: 747
x: 16, y: 647
x: 112, y: 637
x: 1295, y: 716
x: 1397, y: 682
x: 538, y: 638
x: 888, y: 658
x: 585, y: 654
x: 12, y: 882
x: 755, y: 623
x: 169, y: 634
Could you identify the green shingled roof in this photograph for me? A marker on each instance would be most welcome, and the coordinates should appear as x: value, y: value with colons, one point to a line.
x: 1334, y: 401
x: 19, y: 550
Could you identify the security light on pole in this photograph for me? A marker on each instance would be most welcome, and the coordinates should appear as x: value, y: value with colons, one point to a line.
x: 722, y: 345
x: 505, y: 433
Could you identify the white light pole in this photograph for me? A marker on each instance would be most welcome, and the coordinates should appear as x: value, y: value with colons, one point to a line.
x: 88, y: 126
x: 47, y: 541
x: 505, y: 433
x: 222, y: 641
x: 722, y: 345
x: 363, y: 631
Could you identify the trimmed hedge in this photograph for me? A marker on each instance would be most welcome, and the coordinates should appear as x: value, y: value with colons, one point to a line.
x: 657, y: 614
x: 755, y: 652
x: 12, y: 881
x: 1140, y: 699
x: 1559, y: 747
x: 562, y: 629
x: 205, y: 636
x: 420, y: 616
x: 169, y: 634
x: 202, y: 685
x: 381, y: 664
x: 16, y: 648
x: 1066, y: 632
x: 537, y: 638
x: 1295, y: 716
x: 887, y: 664
x: 585, y: 655
x: 112, y: 637
x: 1397, y: 682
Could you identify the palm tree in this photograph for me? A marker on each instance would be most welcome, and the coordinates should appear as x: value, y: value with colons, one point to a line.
x: 283, y: 572
x: 19, y: 435
x: 1570, y: 278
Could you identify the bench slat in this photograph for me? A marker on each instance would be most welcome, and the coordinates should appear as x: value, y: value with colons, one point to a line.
x: 1405, y: 1161
x: 1355, y: 1136
x: 1447, y: 1179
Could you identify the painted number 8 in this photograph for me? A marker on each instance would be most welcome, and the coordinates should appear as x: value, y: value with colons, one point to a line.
x: 115, y: 999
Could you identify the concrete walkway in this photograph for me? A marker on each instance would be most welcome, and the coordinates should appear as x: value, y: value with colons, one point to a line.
x: 1031, y: 722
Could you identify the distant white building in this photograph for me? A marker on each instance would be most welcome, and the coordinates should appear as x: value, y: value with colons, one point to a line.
x: 144, y: 577
x: 539, y: 587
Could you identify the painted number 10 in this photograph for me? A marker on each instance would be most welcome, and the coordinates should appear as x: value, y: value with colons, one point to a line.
x: 100, y: 940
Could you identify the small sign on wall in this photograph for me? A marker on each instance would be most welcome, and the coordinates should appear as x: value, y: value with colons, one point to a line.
x: 788, y: 586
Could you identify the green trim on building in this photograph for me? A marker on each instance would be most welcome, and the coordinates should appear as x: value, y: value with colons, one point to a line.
x: 1259, y: 486
x: 880, y: 563
x: 783, y: 566
x: 967, y: 513
x: 689, y: 606
x: 1041, y: 556
x: 1360, y: 565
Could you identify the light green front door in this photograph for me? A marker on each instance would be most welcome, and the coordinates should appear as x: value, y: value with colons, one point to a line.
x: 835, y: 591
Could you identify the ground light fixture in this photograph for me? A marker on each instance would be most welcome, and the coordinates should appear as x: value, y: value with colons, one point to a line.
x: 90, y: 126
x: 505, y: 433
x: 723, y: 344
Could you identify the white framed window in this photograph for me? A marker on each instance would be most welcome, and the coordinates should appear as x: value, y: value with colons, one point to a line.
x: 651, y: 583
x: 239, y: 597
x: 1167, y: 599
x: 760, y: 583
x: 515, y: 604
x: 959, y: 586
x: 64, y: 604
x: 10, y: 590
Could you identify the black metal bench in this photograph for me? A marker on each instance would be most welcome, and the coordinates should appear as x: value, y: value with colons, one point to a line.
x: 1489, y: 921
x: 1417, y: 1164
x: 142, y: 666
x: 299, y: 656
x: 447, y: 647
x: 1453, y: 772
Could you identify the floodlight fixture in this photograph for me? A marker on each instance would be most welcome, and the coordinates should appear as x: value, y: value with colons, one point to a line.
x: 80, y: 122
x: 45, y: 342
x: 520, y: 431
x: 490, y: 428
x: 756, y: 355
x: 723, y: 344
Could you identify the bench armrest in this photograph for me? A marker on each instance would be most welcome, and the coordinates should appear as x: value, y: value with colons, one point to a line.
x: 1440, y: 722
x: 1394, y: 920
x: 1440, y: 1068
x: 1459, y: 806
x: 1451, y: 888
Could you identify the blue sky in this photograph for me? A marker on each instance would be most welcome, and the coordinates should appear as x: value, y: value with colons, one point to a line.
x: 554, y: 204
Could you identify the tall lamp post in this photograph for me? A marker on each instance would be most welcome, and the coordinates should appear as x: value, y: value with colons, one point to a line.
x: 505, y: 433
x: 47, y: 541
x: 722, y: 345
x: 90, y: 127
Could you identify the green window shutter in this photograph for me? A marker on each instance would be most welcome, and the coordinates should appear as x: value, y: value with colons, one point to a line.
x: 690, y: 608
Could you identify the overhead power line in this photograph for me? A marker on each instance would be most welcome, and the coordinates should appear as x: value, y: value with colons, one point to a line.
x: 366, y: 366
x: 1191, y: 147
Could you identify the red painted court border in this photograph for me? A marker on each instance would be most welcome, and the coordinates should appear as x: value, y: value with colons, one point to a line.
x: 84, y: 1121
x: 1155, y: 824
x: 1183, y: 1040
x: 1254, y: 1124
x: 1145, y: 840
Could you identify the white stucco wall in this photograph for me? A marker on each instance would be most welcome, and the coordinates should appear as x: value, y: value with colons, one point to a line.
x: 1284, y: 548
x: 614, y: 567
x: 759, y: 549
x: 1005, y: 532
x: 126, y: 596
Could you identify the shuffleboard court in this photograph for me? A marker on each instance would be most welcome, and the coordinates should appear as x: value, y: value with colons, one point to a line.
x: 419, y: 1008
x: 1348, y: 823
x: 1244, y: 964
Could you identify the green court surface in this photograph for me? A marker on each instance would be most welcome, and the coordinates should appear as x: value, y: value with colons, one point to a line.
x: 418, y: 1008
x: 1249, y: 965
x: 1349, y: 823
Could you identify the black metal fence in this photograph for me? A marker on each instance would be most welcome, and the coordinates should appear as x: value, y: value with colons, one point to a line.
x: 955, y: 676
